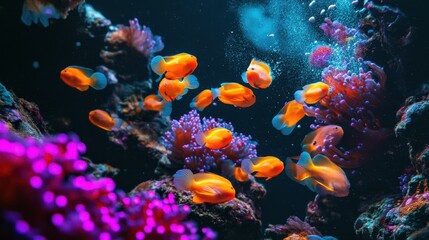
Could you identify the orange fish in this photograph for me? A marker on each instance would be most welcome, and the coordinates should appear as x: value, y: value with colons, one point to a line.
x: 206, y: 187
x: 82, y: 78
x: 174, y: 67
x: 34, y: 11
x: 154, y: 102
x: 215, y: 138
x: 266, y: 167
x: 175, y: 89
x: 258, y: 74
x: 235, y: 94
x: 202, y: 100
x: 312, y: 93
x: 325, y: 135
x: 240, y: 175
x: 319, y: 174
x: 287, y: 118
x: 103, y: 120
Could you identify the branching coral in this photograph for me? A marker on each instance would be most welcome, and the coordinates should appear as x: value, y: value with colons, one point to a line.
x: 181, y: 143
x: 138, y: 37
x: 66, y: 203
x: 337, y: 31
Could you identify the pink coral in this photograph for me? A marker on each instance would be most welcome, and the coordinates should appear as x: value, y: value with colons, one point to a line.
x: 47, y: 195
x: 137, y: 37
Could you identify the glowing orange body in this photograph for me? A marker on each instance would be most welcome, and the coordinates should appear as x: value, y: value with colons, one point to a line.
x: 202, y: 100
x: 171, y: 89
x: 236, y: 94
x: 313, y: 93
x: 75, y: 78
x: 317, y: 137
x: 267, y: 167
x: 258, y: 74
x: 211, y: 188
x: 292, y: 112
x: 179, y: 66
x: 240, y: 175
x: 101, y: 119
x: 153, y: 102
x: 217, y: 138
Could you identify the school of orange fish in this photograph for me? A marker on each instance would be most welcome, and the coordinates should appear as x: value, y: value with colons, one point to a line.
x: 312, y: 169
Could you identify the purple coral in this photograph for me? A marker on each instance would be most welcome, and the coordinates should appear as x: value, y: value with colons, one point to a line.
x: 47, y: 195
x: 337, y: 31
x: 138, y: 37
x: 180, y: 141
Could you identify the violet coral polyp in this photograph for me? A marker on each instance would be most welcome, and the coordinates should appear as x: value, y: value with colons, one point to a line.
x: 180, y: 141
x: 352, y: 103
x: 138, y: 37
x: 48, y: 195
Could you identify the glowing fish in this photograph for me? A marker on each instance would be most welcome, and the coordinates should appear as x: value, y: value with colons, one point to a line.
x: 323, y: 136
x: 175, y: 89
x: 235, y: 94
x: 202, y: 100
x: 240, y: 175
x: 266, y: 167
x: 34, y: 11
x: 103, y: 120
x: 258, y: 74
x: 174, y: 67
x: 154, y: 102
x: 206, y: 187
x: 287, y: 118
x: 319, y: 174
x: 312, y: 93
x: 215, y: 138
x: 82, y: 78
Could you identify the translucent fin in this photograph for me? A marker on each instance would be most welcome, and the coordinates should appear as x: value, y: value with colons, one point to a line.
x: 38, y: 13
x: 183, y: 179
x: 215, y: 92
x: 118, y: 122
x: 191, y: 82
x: 243, y: 76
x: 305, y: 161
x: 295, y: 171
x: 247, y: 166
x: 299, y: 96
x: 288, y: 130
x: 185, y: 91
x: 277, y: 122
x: 199, y: 138
x: 157, y: 65
x: 167, y: 109
x: 99, y: 81
x: 322, y: 160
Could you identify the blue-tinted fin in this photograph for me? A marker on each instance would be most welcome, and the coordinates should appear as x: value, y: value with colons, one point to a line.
x: 99, y: 81
x: 157, y: 65
x: 87, y: 71
x: 243, y: 76
x: 299, y: 96
x: 246, y: 166
x: 305, y: 160
x: 191, y: 82
x: 288, y: 130
x: 46, y: 12
x: 185, y: 91
x: 168, y: 108
x: 193, y: 105
x: 183, y: 179
x: 118, y: 122
x: 199, y: 138
x: 277, y: 122
x: 159, y: 78
x: 215, y: 92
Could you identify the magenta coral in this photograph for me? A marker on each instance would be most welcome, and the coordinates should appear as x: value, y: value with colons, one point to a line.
x: 138, y: 37
x: 180, y: 141
x: 47, y: 195
x: 337, y: 31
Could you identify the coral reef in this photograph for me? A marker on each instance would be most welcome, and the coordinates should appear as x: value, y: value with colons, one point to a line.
x: 337, y: 31
x: 235, y: 219
x: 293, y: 225
x: 77, y: 205
x: 184, y: 150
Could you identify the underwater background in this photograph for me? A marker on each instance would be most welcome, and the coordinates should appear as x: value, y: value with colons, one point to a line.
x: 374, y: 64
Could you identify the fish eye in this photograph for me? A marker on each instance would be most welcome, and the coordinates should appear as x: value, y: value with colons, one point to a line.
x: 314, y: 143
x: 336, y: 127
x: 253, y: 68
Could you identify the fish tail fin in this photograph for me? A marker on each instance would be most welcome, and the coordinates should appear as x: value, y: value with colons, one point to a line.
x: 278, y: 123
x: 216, y: 92
x: 296, y: 172
x: 287, y: 130
x: 193, y: 105
x: 247, y: 166
x: 305, y: 161
x: 199, y: 138
x: 299, y: 96
x: 158, y: 65
x: 183, y: 179
x: 99, y: 81
x: 191, y: 82
x: 167, y: 109
x: 243, y: 76
x: 118, y: 122
x: 43, y: 15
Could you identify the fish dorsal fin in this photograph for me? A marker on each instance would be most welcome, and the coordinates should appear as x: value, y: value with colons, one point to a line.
x: 261, y: 64
x: 321, y: 160
x: 308, y: 143
x: 87, y: 71
x: 305, y: 161
x: 173, y: 57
